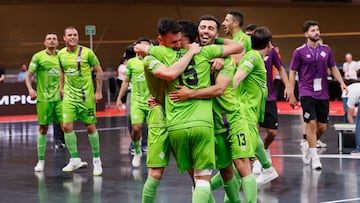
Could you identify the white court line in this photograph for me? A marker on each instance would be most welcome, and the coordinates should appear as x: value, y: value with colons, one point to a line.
x: 344, y: 200
x: 335, y: 156
x: 104, y: 129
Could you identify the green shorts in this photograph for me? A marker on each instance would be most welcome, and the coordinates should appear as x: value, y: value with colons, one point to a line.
x: 193, y: 148
x: 138, y: 114
x: 84, y: 111
x: 158, y: 140
x: 243, y: 140
x: 222, y: 151
x: 47, y: 111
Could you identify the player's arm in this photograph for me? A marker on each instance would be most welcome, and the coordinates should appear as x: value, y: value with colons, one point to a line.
x: 2, y: 77
x: 123, y: 89
x: 336, y: 74
x: 98, y: 82
x: 142, y: 49
x: 172, y: 72
x: 62, y: 82
x: 292, y: 75
x: 231, y: 47
x: 183, y: 93
x: 239, y: 76
x: 284, y: 78
x: 31, y: 90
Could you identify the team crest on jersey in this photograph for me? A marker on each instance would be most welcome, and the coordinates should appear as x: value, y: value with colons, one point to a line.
x: 308, y: 56
x: 54, y: 72
x: 266, y: 58
x: 71, y: 71
x: 141, y: 77
x: 323, y: 54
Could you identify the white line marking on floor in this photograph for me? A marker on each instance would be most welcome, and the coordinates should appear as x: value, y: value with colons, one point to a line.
x: 344, y: 200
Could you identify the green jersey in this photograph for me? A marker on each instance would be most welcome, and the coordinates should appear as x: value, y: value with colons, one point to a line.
x: 139, y: 90
x: 192, y: 112
x: 156, y: 85
x: 244, y: 38
x: 47, y: 70
x: 226, y: 106
x: 77, y: 66
x: 252, y: 91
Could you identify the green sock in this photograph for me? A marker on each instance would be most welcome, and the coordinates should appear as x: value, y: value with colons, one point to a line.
x: 150, y: 190
x: 94, y: 142
x: 201, y: 194
x: 137, y: 146
x: 250, y: 188
x: 71, y: 144
x: 216, y: 181
x: 41, y: 146
x: 261, y: 154
x: 232, y: 189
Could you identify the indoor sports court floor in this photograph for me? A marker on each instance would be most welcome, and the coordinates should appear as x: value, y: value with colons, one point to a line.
x: 338, y: 181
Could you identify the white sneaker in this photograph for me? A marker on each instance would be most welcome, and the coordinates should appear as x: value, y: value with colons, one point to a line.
x: 97, y: 171
x: 268, y: 155
x: 306, y: 153
x: 39, y: 166
x: 256, y: 167
x: 320, y: 144
x: 266, y: 176
x: 315, y: 163
x: 136, y: 161
x: 74, y: 163
x: 137, y: 174
x: 302, y: 142
x: 355, y: 153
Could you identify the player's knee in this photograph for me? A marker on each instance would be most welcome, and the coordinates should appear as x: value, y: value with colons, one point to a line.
x: 136, y: 128
x: 156, y: 173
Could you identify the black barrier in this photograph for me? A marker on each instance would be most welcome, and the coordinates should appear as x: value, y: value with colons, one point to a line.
x: 14, y: 100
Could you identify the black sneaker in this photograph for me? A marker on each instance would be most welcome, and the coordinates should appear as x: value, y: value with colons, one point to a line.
x: 144, y: 148
x: 132, y: 149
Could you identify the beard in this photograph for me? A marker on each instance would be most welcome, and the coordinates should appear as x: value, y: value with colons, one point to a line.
x: 314, y: 39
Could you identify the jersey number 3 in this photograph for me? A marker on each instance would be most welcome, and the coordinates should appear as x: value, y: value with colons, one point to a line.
x: 190, y: 74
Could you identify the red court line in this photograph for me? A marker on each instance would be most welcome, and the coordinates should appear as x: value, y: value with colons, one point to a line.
x: 283, y: 109
x: 336, y: 108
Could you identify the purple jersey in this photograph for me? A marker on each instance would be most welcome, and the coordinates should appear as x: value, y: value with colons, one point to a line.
x: 311, y: 65
x: 271, y: 59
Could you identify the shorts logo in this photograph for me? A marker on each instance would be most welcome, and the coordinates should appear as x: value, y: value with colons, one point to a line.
x: 162, y: 155
x: 306, y: 115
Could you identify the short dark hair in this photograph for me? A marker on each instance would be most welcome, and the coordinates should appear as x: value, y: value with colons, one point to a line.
x: 51, y: 33
x: 238, y: 17
x: 167, y: 25
x: 189, y: 29
x: 210, y: 17
x: 260, y: 38
x: 251, y: 27
x: 308, y: 24
x: 129, y: 52
x: 143, y: 39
